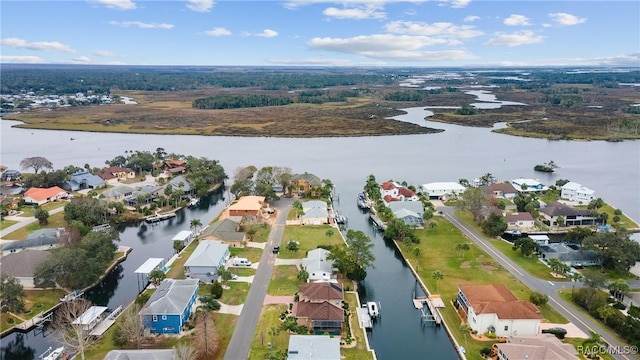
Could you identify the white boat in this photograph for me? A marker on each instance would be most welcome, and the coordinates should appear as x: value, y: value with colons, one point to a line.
x: 194, y: 202
x: 373, y: 308
x: 52, y: 354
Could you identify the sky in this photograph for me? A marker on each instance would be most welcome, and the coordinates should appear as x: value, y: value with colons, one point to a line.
x: 421, y: 33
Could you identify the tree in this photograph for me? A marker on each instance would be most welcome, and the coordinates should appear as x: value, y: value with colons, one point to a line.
x: 216, y: 290
x: 594, y: 339
x: 178, y: 245
x: 616, y: 250
x: 42, y: 215
x: 526, y: 245
x: 494, y: 225
x: 329, y: 233
x: 297, y: 206
x: 303, y: 275
x: 185, y: 351
x: 473, y: 200
x: 68, y: 333
x: 36, y: 163
x: 251, y: 232
x: 464, y: 182
x: 156, y: 276
x: 11, y: 294
x: 461, y: 248
x: 359, y: 246
x: 596, y: 204
x: 131, y: 327
x: 619, y: 287
x: 437, y: 276
x: 577, y: 234
x: 195, y: 224
x: 224, y: 274
x: 575, y: 277
x: 558, y: 267
x: 206, y: 336
x: 293, y: 246
x: 538, y: 299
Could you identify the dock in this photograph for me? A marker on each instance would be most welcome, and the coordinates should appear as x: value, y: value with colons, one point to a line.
x: 363, y: 318
x: 105, y: 324
x: 377, y: 223
x: 432, y: 304
x: 159, y: 217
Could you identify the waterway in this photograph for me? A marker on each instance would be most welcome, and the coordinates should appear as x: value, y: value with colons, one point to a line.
x: 611, y: 169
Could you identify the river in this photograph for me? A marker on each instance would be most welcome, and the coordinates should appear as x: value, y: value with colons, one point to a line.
x: 611, y: 169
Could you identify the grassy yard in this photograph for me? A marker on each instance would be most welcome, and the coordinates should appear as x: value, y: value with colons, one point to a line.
x: 243, y: 271
x: 359, y: 352
x: 262, y: 233
x: 55, y: 221
x: 28, y: 210
x: 177, y: 268
x: 35, y: 301
x: 253, y: 254
x: 236, y: 294
x: 6, y: 223
x: 309, y: 236
x: 265, y: 343
x: 284, y: 281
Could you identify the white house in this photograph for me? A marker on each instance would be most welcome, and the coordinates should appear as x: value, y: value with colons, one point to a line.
x: 442, y: 190
x: 315, y: 216
x: 573, y: 191
x: 206, y: 258
x: 391, y: 191
x: 493, y: 308
x: 313, y: 347
x: 528, y: 185
x: 519, y: 221
x: 311, y: 204
x: 317, y: 265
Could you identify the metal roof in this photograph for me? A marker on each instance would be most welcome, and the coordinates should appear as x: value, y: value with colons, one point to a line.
x: 208, y: 253
x: 90, y: 315
x: 149, y: 265
x: 171, y: 297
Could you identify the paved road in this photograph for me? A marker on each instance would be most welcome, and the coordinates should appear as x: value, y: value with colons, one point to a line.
x: 240, y: 343
x: 22, y: 222
x: 535, y: 284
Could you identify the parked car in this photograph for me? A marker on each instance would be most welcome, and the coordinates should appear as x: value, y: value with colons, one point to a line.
x: 276, y: 249
x: 557, y: 331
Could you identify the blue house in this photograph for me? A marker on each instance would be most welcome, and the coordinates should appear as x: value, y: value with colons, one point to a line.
x: 83, y: 180
x: 170, y: 306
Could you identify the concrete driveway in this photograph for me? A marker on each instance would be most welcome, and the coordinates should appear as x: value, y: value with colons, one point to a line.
x: 572, y: 330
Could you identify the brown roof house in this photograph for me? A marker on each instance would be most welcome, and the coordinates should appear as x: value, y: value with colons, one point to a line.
x: 494, y: 308
x: 247, y: 205
x: 520, y: 221
x: 113, y: 174
x: 307, y: 183
x: 501, y: 190
x: 541, y: 347
x: 173, y: 166
x: 571, y: 216
x: 319, y: 307
x: 22, y: 265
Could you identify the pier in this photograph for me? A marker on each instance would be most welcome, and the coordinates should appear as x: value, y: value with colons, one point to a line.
x: 377, y: 223
x: 159, y: 217
x: 364, y: 318
x: 105, y: 324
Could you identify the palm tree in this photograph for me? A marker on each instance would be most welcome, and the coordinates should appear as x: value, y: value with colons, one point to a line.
x: 461, y: 248
x: 437, y: 275
x: 619, y: 288
x: 594, y: 339
x: 195, y: 224
x: 416, y: 253
x: 575, y: 277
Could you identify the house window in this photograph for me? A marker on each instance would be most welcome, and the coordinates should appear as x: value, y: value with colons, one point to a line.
x: 474, y: 320
x: 164, y: 317
x: 506, y: 327
x: 154, y: 318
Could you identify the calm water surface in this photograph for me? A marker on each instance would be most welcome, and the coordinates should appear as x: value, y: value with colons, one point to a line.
x: 611, y: 169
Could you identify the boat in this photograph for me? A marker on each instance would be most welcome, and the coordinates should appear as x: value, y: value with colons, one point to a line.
x: 193, y: 202
x: 373, y: 308
x: 362, y: 202
x: 52, y: 354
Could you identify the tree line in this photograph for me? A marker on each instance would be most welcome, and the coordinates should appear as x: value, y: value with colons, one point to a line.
x: 261, y: 100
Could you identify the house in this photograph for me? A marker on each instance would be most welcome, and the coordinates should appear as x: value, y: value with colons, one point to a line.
x: 493, y: 308
x: 540, y: 239
x: 391, y: 191
x: 315, y: 216
x: 84, y: 180
x: 410, y: 218
x: 501, y: 191
x: 575, y: 192
x: 540, y: 347
x: 570, y: 254
x: 313, y: 347
x: 181, y: 183
x: 170, y: 306
x: 307, y: 183
x: 414, y: 206
x: 519, y: 221
x: 225, y: 231
x: 317, y: 265
x: 184, y: 236
x: 22, y: 265
x: 528, y: 185
x: 555, y: 214
x: 320, y: 307
x: 442, y: 190
x: 147, y: 193
x: 205, y: 260
x: 247, y: 205
x: 41, y: 239
x: 41, y: 196
x: 114, y: 174
x: 311, y: 204
x: 11, y: 175
x: 144, y: 354
x: 117, y: 193
x: 173, y: 166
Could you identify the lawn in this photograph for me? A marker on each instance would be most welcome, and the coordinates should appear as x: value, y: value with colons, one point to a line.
x: 28, y: 210
x: 35, y: 301
x: 284, y: 281
x: 262, y: 232
x: 55, y: 221
x: 264, y: 342
x: 359, y: 352
x: 236, y: 294
x: 310, y: 237
x: 243, y: 271
x: 253, y: 254
x: 6, y: 223
x: 177, y: 268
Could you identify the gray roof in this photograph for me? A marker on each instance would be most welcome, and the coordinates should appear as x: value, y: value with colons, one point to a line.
x: 88, y: 178
x: 314, y: 204
x: 309, y: 178
x: 559, y: 209
x: 315, y: 212
x: 224, y: 229
x: 171, y: 297
x: 147, y: 354
x: 150, y: 189
x: 310, y: 347
x: 404, y: 214
x: 23, y: 263
x: 118, y: 191
x: 42, y: 237
x: 316, y: 261
x: 176, y: 181
x: 208, y: 253
x: 415, y: 206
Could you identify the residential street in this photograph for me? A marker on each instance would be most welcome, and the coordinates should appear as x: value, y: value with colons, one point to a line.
x: 535, y: 284
x: 240, y: 343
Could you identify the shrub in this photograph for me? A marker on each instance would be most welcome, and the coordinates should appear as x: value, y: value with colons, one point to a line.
x: 490, y: 334
x: 634, y: 311
x: 538, y: 299
x: 216, y: 290
x: 485, y: 351
x: 620, y: 306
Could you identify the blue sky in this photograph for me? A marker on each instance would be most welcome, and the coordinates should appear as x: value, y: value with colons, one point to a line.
x: 432, y: 33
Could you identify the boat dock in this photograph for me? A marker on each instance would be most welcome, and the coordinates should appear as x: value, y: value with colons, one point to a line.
x: 364, y: 318
x: 433, y: 303
x: 159, y: 217
x: 105, y: 324
x: 377, y: 223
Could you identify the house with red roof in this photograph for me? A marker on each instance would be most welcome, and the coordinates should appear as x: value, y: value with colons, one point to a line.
x: 319, y: 307
x: 494, y: 308
x: 41, y: 196
x: 392, y: 191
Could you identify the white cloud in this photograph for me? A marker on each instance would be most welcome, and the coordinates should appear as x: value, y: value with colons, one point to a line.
x: 82, y: 59
x: 37, y: 45
x: 564, y: 19
x: 313, y: 62
x: 218, y: 31
x: 389, y: 47
x: 200, y: 5
x: 471, y: 18
x: 28, y: 59
x: 515, y: 39
x: 356, y: 13
x: 443, y: 30
x: 456, y: 4
x: 104, y: 53
x: 267, y: 33
x: 142, y: 25
x: 517, y: 20
x: 118, y: 4
x: 411, y: 12
x: 619, y: 60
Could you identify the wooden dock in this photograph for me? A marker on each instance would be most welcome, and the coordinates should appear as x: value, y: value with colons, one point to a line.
x: 363, y: 318
x: 379, y: 224
x: 159, y: 217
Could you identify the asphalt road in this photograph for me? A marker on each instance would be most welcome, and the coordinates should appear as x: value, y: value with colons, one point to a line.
x: 535, y: 284
x: 242, y: 337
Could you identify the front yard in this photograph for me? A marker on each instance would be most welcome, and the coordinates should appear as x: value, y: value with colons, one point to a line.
x: 284, y: 281
x: 55, y: 221
x: 310, y: 237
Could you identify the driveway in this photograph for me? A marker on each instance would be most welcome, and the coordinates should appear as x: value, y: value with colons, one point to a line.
x: 572, y: 330
x: 231, y: 309
x: 268, y: 299
x: 22, y: 222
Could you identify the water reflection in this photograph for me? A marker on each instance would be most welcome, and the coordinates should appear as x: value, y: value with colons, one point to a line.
x: 17, y: 350
x: 101, y: 294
